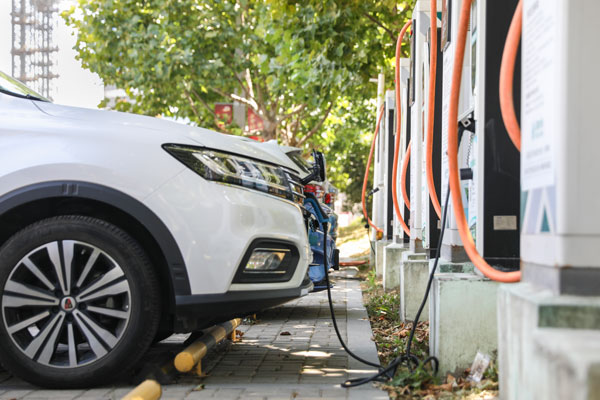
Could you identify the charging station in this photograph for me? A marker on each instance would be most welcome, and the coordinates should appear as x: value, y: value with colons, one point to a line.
x: 431, y: 223
x: 488, y: 160
x: 550, y: 322
x: 489, y: 167
x: 392, y: 259
x: 416, y: 97
x: 378, y: 196
x: 531, y: 217
x: 378, y: 168
x: 414, y: 267
x: 389, y: 135
x: 402, y: 237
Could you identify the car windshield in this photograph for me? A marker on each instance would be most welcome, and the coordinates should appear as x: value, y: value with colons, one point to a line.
x: 296, y: 157
x: 13, y: 87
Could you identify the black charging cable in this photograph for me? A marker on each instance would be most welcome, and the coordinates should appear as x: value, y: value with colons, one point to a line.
x: 410, y: 359
x: 335, y: 325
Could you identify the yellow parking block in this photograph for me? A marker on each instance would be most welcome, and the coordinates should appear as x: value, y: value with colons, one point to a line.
x: 147, y: 390
x: 185, y: 360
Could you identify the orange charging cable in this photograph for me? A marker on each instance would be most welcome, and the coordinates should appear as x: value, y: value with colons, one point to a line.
x: 353, y: 263
x: 507, y: 73
x: 366, y: 180
x: 457, y: 204
x: 431, y: 109
x: 403, y: 176
x: 398, y: 132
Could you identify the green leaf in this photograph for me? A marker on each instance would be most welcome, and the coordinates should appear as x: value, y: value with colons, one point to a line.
x: 297, y: 54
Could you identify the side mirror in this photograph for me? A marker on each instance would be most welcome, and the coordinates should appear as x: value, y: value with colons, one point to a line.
x: 318, y: 172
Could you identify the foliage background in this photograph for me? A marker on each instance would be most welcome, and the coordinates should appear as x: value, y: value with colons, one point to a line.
x: 306, y: 67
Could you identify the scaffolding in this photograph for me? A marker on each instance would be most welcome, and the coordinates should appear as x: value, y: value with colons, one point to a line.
x: 34, y: 53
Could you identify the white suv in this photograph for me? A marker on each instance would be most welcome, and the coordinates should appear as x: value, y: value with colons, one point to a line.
x: 117, y: 230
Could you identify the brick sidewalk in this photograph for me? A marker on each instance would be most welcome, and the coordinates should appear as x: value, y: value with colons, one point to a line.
x: 269, y: 363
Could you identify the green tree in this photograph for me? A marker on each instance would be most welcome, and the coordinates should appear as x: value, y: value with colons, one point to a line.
x: 288, y: 61
x: 306, y: 67
x: 348, y: 135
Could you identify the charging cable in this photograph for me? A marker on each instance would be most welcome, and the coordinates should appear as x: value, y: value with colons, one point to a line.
x: 389, y: 371
x: 366, y: 178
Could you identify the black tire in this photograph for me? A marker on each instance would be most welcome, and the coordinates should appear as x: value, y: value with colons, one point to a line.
x: 135, y: 327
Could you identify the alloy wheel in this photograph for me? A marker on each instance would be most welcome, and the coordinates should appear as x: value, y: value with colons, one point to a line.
x: 66, y: 304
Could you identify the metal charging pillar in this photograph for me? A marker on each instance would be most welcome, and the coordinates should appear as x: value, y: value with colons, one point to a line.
x: 420, y: 26
x: 489, y: 166
x: 550, y: 323
x: 452, y: 249
x: 377, y: 206
x: 389, y: 129
x: 486, y: 154
x: 401, y: 236
x: 494, y: 198
x: 431, y: 223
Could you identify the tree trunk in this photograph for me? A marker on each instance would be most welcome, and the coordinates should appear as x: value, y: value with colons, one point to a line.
x: 270, y: 130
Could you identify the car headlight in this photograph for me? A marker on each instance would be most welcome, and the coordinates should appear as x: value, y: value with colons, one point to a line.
x: 233, y: 169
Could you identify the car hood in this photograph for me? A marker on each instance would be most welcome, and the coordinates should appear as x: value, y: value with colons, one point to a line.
x: 162, y: 131
x: 277, y: 151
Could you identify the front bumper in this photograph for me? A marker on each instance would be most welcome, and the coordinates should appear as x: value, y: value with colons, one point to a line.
x: 214, y: 225
x: 198, y: 311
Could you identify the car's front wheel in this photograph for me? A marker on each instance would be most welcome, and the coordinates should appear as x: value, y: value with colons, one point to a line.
x: 80, y: 302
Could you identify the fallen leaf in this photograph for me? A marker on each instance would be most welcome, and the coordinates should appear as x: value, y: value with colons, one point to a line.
x: 447, y: 387
x: 450, y: 379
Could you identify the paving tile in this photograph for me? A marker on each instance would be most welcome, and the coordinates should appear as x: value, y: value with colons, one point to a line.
x: 12, y: 383
x: 15, y: 394
x: 202, y: 394
x: 308, y: 363
x: 98, y: 393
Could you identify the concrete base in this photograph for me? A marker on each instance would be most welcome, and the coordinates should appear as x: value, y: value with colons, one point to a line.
x: 463, y: 317
x: 549, y: 346
x: 446, y: 267
x: 568, y: 364
x: 380, y: 246
x: 414, y: 273
x: 392, y: 262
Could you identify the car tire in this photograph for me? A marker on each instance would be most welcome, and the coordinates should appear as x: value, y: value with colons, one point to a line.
x: 80, y: 302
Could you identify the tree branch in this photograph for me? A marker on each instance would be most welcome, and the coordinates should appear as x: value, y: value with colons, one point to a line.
x: 249, y: 83
x: 377, y: 22
x: 237, y: 78
x: 212, y: 111
x: 261, y: 94
x: 298, y: 109
x: 251, y: 103
x: 316, y: 127
x: 192, y: 105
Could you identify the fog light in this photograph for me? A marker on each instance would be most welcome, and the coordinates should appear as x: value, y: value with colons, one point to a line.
x: 265, y: 260
x: 268, y: 260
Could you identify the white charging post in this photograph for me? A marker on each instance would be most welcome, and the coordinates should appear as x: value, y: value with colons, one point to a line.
x: 377, y: 207
x: 399, y: 235
x: 420, y: 28
x: 550, y: 323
